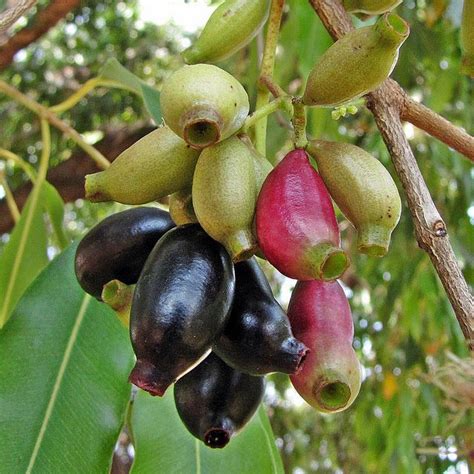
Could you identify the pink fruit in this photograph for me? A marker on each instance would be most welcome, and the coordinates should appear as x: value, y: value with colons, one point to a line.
x: 320, y: 317
x: 295, y: 222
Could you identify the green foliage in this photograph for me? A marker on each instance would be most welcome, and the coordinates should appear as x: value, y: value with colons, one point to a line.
x: 404, y: 323
x: 158, y: 429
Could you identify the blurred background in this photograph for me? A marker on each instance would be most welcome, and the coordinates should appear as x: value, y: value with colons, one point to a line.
x: 414, y: 411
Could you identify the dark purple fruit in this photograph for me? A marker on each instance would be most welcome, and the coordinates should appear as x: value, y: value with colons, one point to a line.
x: 117, y: 247
x: 257, y: 339
x: 180, y: 305
x: 215, y: 401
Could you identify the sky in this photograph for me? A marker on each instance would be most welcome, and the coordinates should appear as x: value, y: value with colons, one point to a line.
x: 189, y: 16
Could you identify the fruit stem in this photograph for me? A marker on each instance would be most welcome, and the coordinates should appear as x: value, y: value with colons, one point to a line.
x: 299, y: 123
x: 118, y: 296
x: 268, y: 61
x: 283, y: 102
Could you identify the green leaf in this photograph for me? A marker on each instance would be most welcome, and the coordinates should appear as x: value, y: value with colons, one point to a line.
x: 64, y: 361
x: 114, y: 71
x: 151, y: 97
x: 54, y: 206
x: 23, y: 257
x: 162, y: 443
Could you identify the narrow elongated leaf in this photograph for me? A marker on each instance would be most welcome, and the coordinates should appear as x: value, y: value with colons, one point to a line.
x: 114, y: 71
x: 162, y: 443
x: 23, y: 257
x: 54, y: 206
x: 64, y: 361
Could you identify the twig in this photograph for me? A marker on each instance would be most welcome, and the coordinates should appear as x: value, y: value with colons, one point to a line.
x: 299, y: 123
x: 10, y: 16
x: 266, y: 69
x: 437, y: 126
x: 53, y: 119
x: 386, y: 104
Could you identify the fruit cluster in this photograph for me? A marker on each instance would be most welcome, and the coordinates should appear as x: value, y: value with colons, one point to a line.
x: 203, y: 316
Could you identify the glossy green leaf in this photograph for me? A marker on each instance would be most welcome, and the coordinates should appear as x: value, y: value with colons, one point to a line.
x: 54, y: 206
x: 64, y: 361
x: 23, y: 257
x: 114, y: 71
x: 163, y: 445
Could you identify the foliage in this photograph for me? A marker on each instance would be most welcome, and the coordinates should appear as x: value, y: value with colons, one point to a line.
x: 404, y: 323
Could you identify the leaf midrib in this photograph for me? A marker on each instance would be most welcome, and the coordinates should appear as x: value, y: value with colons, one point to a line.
x: 57, y: 383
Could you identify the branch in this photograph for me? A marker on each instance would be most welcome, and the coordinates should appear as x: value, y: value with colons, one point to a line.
x: 386, y: 104
x: 437, y: 126
x: 11, y: 15
x: 44, y: 20
x: 68, y: 177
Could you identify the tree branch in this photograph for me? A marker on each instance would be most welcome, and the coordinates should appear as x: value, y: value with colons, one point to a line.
x: 44, y: 20
x: 387, y: 104
x: 11, y: 15
x: 437, y: 126
x: 68, y: 177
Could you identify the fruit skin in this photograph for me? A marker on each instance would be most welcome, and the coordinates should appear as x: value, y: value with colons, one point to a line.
x: 357, y: 63
x: 320, y: 316
x: 203, y: 104
x: 180, y: 305
x: 224, y: 196
x: 257, y: 338
x: 215, y: 401
x: 181, y: 208
x: 467, y: 38
x: 363, y: 190
x: 262, y: 166
x: 231, y: 27
x: 295, y: 222
x: 370, y: 7
x: 117, y: 247
x: 158, y: 164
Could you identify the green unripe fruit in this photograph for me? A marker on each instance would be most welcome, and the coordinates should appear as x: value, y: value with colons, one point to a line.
x: 203, y: 104
x: 158, y: 164
x: 467, y: 38
x: 181, y: 208
x: 231, y: 27
x: 224, y: 196
x: 363, y: 190
x: 261, y: 165
x: 357, y: 63
x: 370, y: 7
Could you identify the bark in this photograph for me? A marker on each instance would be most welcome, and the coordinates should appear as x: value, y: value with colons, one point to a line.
x: 44, y: 20
x: 388, y: 104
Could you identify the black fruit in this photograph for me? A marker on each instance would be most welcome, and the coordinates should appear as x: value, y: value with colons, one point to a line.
x: 215, y: 401
x: 180, y: 305
x: 257, y: 339
x: 117, y: 248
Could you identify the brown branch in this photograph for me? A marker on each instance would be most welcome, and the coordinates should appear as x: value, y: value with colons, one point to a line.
x: 12, y: 14
x: 386, y: 104
x: 44, y: 20
x: 68, y: 177
x: 437, y: 126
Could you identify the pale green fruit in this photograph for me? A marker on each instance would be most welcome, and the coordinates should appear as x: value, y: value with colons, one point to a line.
x: 467, y: 38
x: 225, y: 194
x: 231, y: 27
x: 181, y: 208
x: 363, y: 190
x: 357, y: 63
x: 157, y: 165
x: 262, y: 166
x: 203, y: 104
x: 370, y: 7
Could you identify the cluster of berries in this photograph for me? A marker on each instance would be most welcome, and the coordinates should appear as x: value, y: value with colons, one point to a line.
x: 198, y: 287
